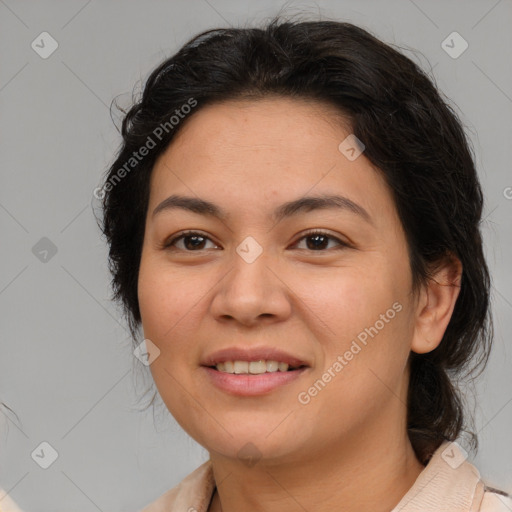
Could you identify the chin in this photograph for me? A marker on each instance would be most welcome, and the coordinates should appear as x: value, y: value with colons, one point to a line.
x: 251, y: 446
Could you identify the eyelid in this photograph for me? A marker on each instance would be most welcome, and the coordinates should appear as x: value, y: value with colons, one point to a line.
x: 320, y: 231
x: 187, y: 232
x: 312, y: 231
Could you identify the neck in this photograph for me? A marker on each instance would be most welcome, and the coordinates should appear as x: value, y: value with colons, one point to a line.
x: 365, y: 472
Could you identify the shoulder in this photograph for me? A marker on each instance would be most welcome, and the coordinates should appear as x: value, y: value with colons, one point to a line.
x: 6, y: 503
x: 495, y: 500
x: 450, y: 482
x: 194, y: 492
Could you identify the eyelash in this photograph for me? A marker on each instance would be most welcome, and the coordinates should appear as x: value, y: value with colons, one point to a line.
x: 311, y: 232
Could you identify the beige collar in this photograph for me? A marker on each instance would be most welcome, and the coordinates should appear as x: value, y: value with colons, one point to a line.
x: 448, y: 482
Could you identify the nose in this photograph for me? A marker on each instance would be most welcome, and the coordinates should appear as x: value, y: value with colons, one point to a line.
x: 252, y: 291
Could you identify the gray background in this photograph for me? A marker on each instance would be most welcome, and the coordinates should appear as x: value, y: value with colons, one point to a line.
x: 66, y: 365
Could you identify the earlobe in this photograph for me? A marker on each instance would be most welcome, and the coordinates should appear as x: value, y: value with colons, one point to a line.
x: 436, y: 305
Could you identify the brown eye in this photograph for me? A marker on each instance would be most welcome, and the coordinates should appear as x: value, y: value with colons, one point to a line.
x: 192, y: 241
x: 319, y: 240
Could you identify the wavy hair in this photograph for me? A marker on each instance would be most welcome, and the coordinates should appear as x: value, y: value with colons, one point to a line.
x: 412, y: 135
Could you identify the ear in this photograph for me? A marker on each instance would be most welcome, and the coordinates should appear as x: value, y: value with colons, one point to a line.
x: 435, y: 305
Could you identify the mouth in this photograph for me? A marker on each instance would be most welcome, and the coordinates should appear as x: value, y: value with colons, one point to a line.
x: 252, y: 378
x: 257, y: 367
x: 253, y: 361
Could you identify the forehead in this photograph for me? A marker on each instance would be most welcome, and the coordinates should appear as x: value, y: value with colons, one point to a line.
x: 265, y: 152
x: 253, y: 123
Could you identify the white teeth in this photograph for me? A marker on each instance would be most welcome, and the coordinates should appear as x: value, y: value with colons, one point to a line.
x: 283, y: 367
x: 272, y: 366
x: 241, y: 366
x: 257, y: 367
x: 252, y: 367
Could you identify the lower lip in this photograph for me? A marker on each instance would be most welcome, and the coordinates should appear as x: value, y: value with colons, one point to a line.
x: 251, y: 385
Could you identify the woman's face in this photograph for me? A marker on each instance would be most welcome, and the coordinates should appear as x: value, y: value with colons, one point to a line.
x: 339, y: 302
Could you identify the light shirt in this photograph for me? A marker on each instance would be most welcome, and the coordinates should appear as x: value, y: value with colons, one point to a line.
x: 449, y: 483
x: 6, y: 503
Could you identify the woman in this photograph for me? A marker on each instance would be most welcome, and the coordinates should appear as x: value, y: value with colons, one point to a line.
x: 293, y: 220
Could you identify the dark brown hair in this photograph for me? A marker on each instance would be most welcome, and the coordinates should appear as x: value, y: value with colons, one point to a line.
x: 411, y: 135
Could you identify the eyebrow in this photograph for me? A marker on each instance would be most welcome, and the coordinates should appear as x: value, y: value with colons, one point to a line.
x: 288, y: 209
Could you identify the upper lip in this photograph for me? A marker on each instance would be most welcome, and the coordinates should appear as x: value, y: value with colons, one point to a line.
x: 252, y: 354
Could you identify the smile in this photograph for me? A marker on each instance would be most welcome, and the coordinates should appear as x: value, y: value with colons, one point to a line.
x: 254, y: 367
x: 251, y: 384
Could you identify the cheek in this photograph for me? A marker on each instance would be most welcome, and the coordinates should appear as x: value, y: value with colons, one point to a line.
x: 166, y: 300
x: 363, y: 317
x: 345, y: 301
x: 361, y: 374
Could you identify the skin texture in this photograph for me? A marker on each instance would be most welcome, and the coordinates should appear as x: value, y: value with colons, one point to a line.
x: 349, y: 444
